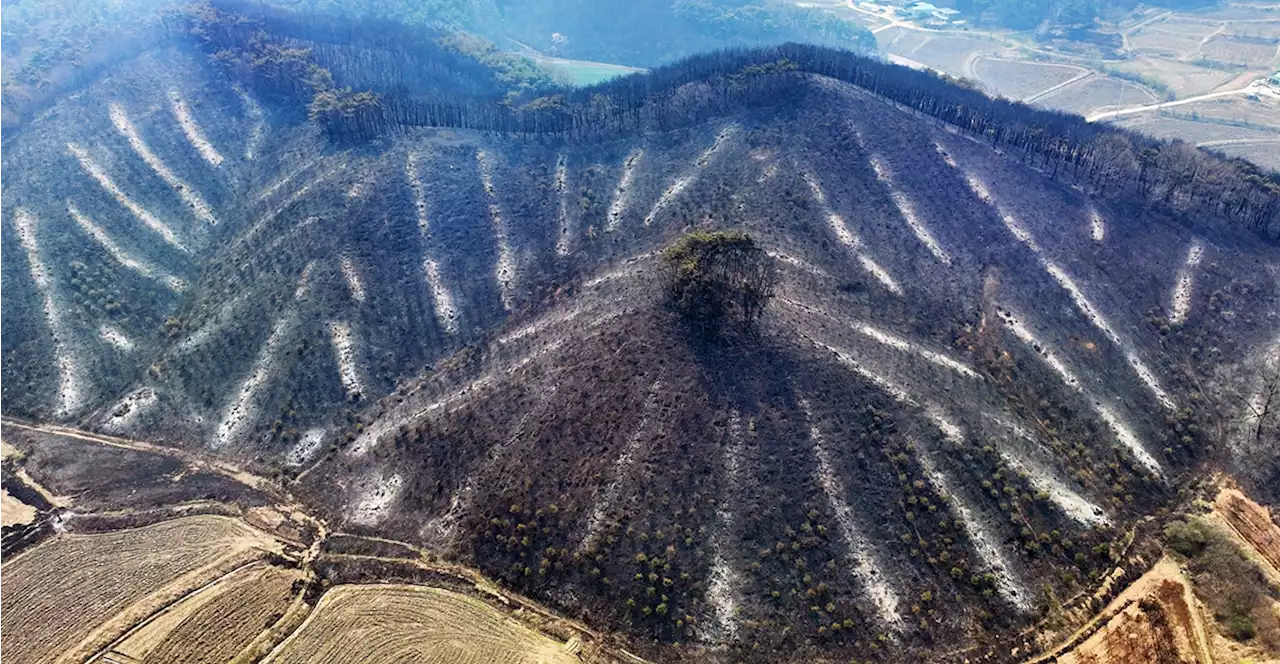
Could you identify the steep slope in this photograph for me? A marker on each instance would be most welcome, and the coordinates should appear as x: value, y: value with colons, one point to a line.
x: 973, y: 382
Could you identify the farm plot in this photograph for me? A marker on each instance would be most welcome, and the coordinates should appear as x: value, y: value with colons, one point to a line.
x: 219, y: 628
x: 1183, y: 78
x: 1173, y: 38
x: 1263, y: 113
x: 14, y: 512
x: 1172, y: 127
x: 1251, y: 52
x: 66, y: 598
x: 1018, y: 80
x: 1097, y: 93
x: 398, y: 623
x: 1259, y: 29
x: 1266, y: 155
x: 954, y: 55
x: 1154, y: 620
x: 1253, y: 523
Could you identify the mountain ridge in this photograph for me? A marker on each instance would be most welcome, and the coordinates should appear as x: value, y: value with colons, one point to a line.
x: 457, y: 337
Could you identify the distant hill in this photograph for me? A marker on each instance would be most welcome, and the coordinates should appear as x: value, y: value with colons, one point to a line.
x: 1003, y: 336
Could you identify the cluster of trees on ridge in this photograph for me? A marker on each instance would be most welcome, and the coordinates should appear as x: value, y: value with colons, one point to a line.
x: 1118, y: 165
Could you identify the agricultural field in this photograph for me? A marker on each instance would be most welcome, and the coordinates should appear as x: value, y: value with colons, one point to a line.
x: 1182, y: 78
x: 1262, y: 113
x: 400, y: 623
x: 1096, y: 94
x: 216, y: 623
x: 1154, y: 620
x: 13, y: 511
x: 1266, y: 155
x: 1186, y: 128
x: 74, y: 594
x: 1018, y: 80
x: 1258, y: 52
x: 1171, y: 38
x: 955, y: 55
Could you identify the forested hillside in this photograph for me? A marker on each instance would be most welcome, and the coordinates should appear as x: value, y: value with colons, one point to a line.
x: 435, y: 309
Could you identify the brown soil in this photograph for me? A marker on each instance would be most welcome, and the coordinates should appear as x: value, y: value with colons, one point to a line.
x: 1155, y: 620
x: 1253, y: 523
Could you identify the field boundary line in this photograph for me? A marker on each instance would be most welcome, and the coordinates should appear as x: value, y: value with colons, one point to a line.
x: 106, y: 650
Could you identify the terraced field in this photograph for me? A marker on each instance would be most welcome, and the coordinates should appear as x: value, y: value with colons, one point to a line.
x: 390, y: 623
x: 76, y: 593
x: 1018, y: 80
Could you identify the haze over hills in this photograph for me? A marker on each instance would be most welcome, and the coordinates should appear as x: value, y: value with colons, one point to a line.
x: 1002, y: 339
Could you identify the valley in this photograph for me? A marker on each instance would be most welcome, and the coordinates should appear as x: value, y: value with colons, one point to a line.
x: 1203, y: 76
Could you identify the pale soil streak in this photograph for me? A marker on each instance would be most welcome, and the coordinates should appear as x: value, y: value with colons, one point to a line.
x: 850, y: 240
x: 621, y: 470
x: 1082, y: 302
x: 355, y: 286
x: 123, y: 415
x: 724, y: 584
x: 862, y: 556
x: 305, y: 448
x: 185, y: 191
x: 505, y: 269
x: 345, y: 352
x: 1180, y: 301
x: 1074, y: 505
x: 1097, y: 226
x: 14, y: 511
x: 254, y: 111
x: 373, y: 504
x: 991, y: 555
x: 983, y: 542
x: 622, y: 195
x: 147, y: 218
x: 798, y: 263
x: 240, y: 413
x: 72, y: 381
x: 226, y: 315
x: 889, y: 339
x: 139, y: 266
x: 445, y: 309
x: 1123, y: 432
x: 908, y: 212
x: 189, y: 127
x: 272, y: 189
x: 562, y: 178
x: 115, y: 337
x: 684, y: 181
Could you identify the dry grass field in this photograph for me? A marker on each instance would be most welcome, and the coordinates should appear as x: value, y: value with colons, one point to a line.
x: 13, y: 511
x: 1018, y: 80
x: 1249, y: 52
x: 1154, y: 620
x: 1253, y: 523
x: 1183, y: 78
x: 74, y: 594
x: 215, y: 623
x: 396, y: 623
x: 1097, y: 93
